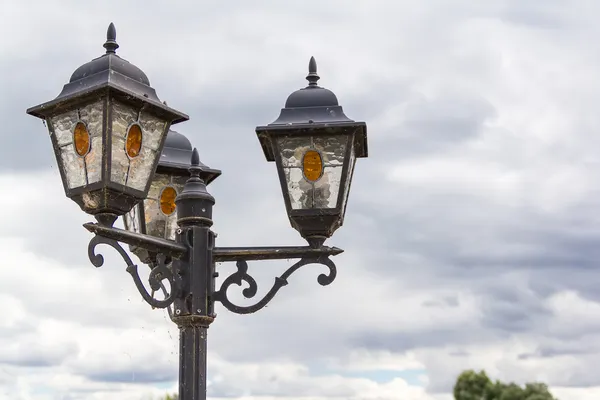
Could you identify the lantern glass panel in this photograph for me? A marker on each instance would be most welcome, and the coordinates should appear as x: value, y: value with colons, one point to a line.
x: 351, y: 164
x: 134, y: 172
x: 155, y: 221
x: 323, y: 192
x: 132, y: 220
x: 79, y: 170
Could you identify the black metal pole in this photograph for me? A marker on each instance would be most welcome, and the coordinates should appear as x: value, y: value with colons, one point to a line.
x: 194, y: 307
x: 192, y: 362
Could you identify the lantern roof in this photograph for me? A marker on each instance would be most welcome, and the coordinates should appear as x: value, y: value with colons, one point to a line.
x: 310, y: 109
x: 313, y: 95
x: 312, y: 104
x: 108, y: 71
x: 110, y: 61
x: 176, y: 158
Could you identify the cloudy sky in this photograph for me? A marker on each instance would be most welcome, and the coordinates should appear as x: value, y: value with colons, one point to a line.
x: 472, y: 231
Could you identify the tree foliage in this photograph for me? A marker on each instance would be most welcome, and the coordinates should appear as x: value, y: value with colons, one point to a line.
x: 472, y: 385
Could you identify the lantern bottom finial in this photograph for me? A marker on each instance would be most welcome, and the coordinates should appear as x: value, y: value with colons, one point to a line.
x: 106, y: 219
x: 316, y: 241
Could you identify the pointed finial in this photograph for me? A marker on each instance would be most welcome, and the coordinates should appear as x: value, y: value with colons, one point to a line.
x: 195, y: 158
x: 111, y: 45
x: 195, y: 169
x: 312, y: 76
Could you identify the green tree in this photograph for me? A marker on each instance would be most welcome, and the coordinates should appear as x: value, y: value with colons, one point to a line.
x: 472, y: 385
x: 513, y: 391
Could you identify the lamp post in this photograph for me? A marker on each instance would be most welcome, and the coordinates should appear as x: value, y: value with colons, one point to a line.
x: 118, y: 157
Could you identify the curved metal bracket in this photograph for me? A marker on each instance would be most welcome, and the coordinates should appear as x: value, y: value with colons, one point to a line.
x: 241, y: 275
x: 159, y: 273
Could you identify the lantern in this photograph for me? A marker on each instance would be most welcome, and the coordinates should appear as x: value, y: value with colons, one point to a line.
x: 156, y: 215
x: 315, y: 146
x: 108, y: 129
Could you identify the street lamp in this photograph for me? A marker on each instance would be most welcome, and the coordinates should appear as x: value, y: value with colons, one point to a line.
x: 315, y: 146
x: 117, y: 157
x: 108, y: 128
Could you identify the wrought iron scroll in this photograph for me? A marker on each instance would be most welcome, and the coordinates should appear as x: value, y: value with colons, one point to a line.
x: 165, y: 293
x: 159, y: 273
x: 241, y: 275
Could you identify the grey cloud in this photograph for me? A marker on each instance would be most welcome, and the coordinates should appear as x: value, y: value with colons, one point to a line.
x: 403, y: 340
x: 152, y: 375
x: 459, y: 353
x: 31, y: 353
x: 446, y: 301
x: 586, y: 345
x: 432, y: 125
x: 514, y: 313
x: 442, y: 233
x: 550, y: 15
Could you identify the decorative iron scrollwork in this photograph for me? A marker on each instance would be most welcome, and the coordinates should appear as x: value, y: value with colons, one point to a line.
x: 159, y: 273
x: 241, y: 275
